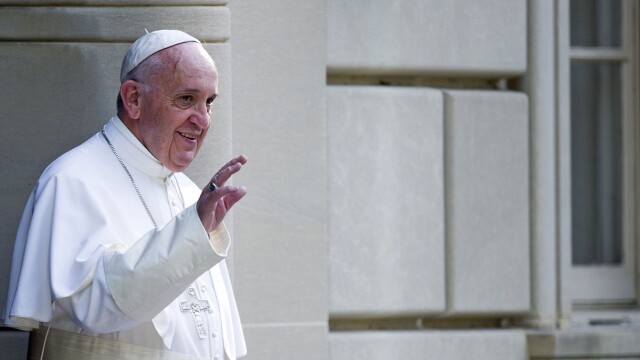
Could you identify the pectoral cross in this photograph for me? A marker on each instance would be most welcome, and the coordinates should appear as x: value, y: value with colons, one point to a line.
x: 196, y: 307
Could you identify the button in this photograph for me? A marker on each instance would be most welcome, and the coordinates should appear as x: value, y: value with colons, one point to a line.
x: 214, y: 334
x: 216, y: 357
x: 204, y: 289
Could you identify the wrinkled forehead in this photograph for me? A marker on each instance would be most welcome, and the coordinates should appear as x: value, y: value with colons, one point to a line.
x: 188, y: 57
x: 185, y: 66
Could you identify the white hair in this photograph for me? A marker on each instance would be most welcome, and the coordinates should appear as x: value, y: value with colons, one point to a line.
x: 142, y: 74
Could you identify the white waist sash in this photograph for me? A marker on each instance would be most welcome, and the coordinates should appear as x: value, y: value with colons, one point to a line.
x: 64, y: 345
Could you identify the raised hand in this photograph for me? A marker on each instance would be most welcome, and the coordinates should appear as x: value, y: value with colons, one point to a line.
x: 217, y: 198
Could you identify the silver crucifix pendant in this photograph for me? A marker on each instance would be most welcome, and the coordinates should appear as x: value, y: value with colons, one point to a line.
x: 196, y: 307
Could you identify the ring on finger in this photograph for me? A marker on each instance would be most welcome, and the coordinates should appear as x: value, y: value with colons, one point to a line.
x: 212, y: 187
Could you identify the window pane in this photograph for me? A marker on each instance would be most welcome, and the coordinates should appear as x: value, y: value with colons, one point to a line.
x: 596, y: 169
x: 596, y: 23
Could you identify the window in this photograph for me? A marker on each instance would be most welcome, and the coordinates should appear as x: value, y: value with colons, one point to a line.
x: 603, y: 156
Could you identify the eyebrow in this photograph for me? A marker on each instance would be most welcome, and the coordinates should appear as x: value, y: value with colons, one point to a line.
x: 193, y: 90
x: 190, y: 90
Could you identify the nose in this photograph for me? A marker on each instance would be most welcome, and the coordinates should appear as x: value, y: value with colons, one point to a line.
x: 201, y: 116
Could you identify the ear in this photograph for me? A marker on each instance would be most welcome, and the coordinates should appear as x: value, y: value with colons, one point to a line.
x: 130, y: 94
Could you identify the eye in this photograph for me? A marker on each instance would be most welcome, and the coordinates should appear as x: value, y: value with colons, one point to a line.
x: 209, y: 102
x: 186, y: 98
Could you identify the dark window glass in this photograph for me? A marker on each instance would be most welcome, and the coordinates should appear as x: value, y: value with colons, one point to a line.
x: 596, y: 169
x: 596, y: 23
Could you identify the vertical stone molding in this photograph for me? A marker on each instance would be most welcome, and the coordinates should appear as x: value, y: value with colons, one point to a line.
x: 279, y: 122
x: 540, y: 85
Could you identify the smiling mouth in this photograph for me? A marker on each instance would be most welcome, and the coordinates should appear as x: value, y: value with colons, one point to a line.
x: 188, y: 136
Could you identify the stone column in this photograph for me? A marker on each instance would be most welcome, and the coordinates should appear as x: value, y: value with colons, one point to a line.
x: 279, y: 122
x: 540, y: 86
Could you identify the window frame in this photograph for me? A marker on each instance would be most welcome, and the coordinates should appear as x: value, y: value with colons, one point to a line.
x: 611, y: 284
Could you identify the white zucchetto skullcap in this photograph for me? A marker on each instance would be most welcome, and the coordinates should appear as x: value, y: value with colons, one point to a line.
x: 150, y: 44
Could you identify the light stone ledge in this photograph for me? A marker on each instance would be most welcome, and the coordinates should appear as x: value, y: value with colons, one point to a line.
x: 111, y: 24
x: 286, y: 341
x: 429, y: 344
x: 443, y: 70
x: 608, y: 342
x: 463, y: 38
x: 415, y: 80
x: 112, y: 2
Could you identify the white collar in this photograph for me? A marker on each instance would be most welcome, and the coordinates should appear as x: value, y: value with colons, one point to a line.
x: 131, y: 150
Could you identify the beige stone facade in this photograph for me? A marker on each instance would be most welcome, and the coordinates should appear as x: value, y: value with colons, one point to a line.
x: 409, y: 175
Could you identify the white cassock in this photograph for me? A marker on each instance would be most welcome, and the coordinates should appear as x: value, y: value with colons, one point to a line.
x: 87, y: 258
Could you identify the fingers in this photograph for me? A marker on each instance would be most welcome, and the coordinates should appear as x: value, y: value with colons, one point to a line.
x: 216, y: 201
x: 225, y: 191
x: 212, y: 207
x: 237, y: 160
x: 242, y: 159
x: 234, y: 196
x: 221, y: 177
x: 230, y: 168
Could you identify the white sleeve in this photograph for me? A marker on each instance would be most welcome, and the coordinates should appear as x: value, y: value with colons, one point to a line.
x: 129, y: 286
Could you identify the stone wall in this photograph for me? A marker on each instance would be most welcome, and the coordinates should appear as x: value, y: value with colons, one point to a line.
x: 428, y: 179
x: 407, y: 166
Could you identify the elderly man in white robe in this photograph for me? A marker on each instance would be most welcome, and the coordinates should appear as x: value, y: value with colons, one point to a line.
x: 119, y: 255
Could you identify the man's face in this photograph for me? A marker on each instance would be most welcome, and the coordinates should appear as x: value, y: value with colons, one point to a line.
x: 175, y: 112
